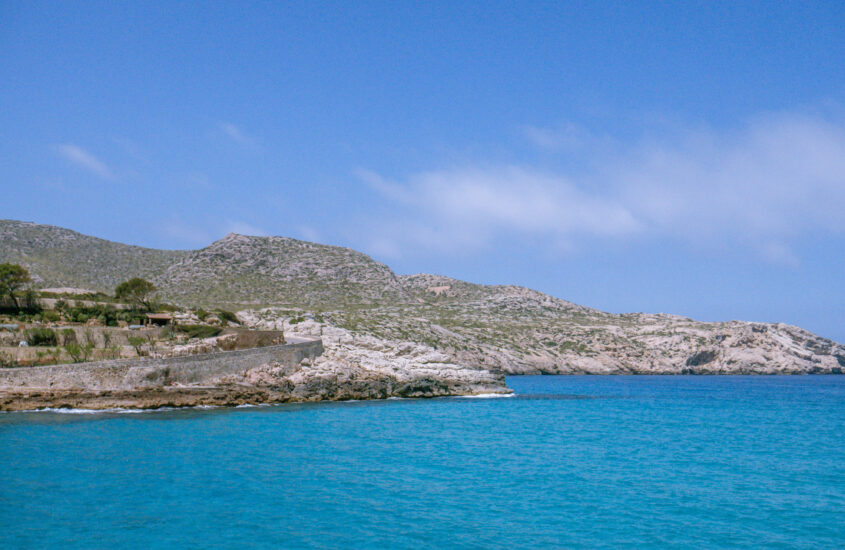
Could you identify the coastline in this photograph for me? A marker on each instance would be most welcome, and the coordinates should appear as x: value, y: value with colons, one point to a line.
x: 302, y: 371
x: 226, y: 396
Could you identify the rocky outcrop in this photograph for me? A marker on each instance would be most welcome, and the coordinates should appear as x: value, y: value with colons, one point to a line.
x: 350, y: 367
x: 513, y: 335
x: 362, y: 366
x: 390, y: 368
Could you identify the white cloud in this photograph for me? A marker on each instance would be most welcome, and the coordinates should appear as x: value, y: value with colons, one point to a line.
x: 779, y: 178
x: 84, y: 159
x: 470, y: 207
x: 774, y: 180
x: 235, y: 133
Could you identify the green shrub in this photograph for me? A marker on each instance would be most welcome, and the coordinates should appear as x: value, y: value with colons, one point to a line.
x: 106, y: 314
x: 68, y: 336
x: 79, y: 353
x: 112, y: 352
x: 80, y: 317
x: 227, y: 316
x: 50, y: 316
x: 40, y: 337
x: 199, y: 331
x: 7, y: 360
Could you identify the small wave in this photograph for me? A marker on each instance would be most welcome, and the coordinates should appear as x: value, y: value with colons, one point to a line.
x: 96, y: 411
x: 486, y: 396
x: 121, y: 410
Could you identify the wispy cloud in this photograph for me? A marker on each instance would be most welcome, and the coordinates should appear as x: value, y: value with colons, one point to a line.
x: 235, y: 133
x: 778, y: 178
x: 475, y: 201
x: 762, y: 186
x: 569, y: 136
x: 82, y: 158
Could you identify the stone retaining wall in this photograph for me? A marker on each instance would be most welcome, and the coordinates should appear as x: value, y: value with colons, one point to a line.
x: 127, y: 374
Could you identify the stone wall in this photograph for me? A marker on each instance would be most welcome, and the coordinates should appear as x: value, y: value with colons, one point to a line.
x: 127, y: 374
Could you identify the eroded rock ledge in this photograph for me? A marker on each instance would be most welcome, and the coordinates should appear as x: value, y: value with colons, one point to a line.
x: 347, y: 367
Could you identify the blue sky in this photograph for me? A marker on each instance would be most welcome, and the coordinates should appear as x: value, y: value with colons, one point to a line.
x: 683, y: 157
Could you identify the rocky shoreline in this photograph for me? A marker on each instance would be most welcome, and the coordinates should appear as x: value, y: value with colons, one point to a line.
x: 349, y: 365
x: 346, y: 367
x: 232, y: 395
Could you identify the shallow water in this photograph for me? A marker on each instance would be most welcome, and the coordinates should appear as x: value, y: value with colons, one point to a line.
x: 708, y: 462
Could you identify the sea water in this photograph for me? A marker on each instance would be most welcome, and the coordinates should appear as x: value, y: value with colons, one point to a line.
x: 576, y: 462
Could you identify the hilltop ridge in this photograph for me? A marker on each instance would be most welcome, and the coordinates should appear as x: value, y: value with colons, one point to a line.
x: 267, y: 270
x: 60, y: 257
x: 234, y: 270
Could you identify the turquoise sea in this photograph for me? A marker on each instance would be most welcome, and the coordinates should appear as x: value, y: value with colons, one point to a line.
x: 574, y: 462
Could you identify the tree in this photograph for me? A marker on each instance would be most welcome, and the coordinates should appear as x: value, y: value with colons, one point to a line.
x: 137, y: 291
x: 12, y: 277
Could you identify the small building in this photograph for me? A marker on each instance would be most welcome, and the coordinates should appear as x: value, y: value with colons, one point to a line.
x: 159, y: 319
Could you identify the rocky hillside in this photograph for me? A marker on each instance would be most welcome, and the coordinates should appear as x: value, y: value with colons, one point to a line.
x: 504, y: 328
x: 273, y: 270
x: 437, y: 289
x: 58, y: 257
x: 233, y: 272
x: 520, y: 336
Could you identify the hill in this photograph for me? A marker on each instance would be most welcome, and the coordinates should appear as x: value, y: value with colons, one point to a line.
x: 235, y: 271
x: 58, y: 257
x: 278, y: 282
